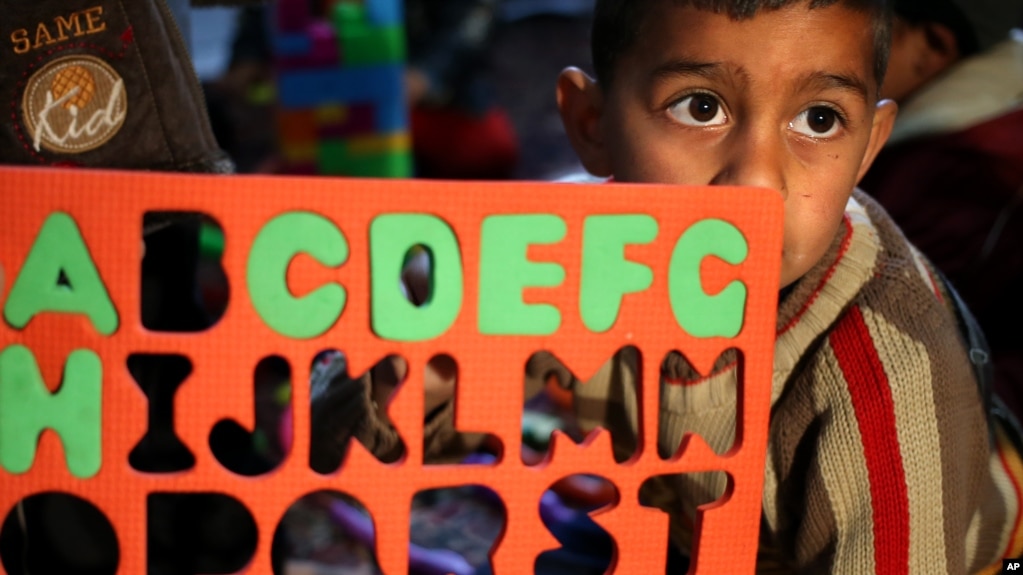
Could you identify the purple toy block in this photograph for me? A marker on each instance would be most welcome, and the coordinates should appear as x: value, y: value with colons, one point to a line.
x: 360, y: 120
x: 325, y: 44
x: 322, y: 33
x: 322, y: 53
x: 308, y: 62
x: 291, y: 15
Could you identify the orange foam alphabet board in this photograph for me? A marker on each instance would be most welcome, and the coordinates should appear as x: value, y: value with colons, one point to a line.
x: 580, y: 270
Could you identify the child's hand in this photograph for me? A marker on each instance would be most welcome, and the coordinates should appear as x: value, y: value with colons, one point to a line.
x: 439, y: 382
x: 344, y: 408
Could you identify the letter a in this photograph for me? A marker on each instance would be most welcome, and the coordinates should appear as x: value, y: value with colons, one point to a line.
x: 59, y: 247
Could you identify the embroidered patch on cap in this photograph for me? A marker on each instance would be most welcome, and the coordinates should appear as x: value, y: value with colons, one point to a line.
x: 74, y: 104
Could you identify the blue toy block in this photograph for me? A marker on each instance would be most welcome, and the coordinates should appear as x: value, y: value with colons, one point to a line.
x: 292, y: 44
x: 391, y: 117
x: 385, y: 12
x: 311, y: 88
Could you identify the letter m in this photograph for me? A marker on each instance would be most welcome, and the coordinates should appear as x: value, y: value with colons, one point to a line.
x: 66, y: 24
x: 27, y: 408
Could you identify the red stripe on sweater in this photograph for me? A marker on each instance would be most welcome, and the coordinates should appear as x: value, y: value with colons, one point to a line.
x: 1012, y: 547
x: 875, y: 414
x: 934, y: 284
x: 846, y: 241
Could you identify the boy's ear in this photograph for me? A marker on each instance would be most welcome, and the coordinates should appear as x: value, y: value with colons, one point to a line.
x: 944, y: 48
x: 581, y: 103
x: 884, y: 119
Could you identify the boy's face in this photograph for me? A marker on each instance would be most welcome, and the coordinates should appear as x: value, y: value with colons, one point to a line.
x: 784, y: 101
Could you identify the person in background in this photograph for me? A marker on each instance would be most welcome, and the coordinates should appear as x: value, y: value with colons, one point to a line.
x: 458, y: 130
x: 951, y: 174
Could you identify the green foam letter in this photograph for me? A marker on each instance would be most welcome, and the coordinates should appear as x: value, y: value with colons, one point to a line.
x: 505, y: 271
x: 391, y: 236
x: 606, y: 275
x: 59, y: 247
x: 27, y: 408
x: 703, y: 315
x: 277, y: 244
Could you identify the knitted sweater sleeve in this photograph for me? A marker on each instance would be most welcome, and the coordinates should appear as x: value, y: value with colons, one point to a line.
x: 883, y: 465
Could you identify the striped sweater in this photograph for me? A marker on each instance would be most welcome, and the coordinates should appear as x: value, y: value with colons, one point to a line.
x: 879, y: 457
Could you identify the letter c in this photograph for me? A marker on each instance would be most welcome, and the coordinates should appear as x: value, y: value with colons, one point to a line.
x: 703, y: 315
x: 275, y: 246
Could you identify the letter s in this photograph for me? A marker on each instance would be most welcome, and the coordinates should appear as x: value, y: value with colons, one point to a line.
x: 20, y: 40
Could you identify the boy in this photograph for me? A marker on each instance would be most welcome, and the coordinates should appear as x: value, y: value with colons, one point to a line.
x: 878, y: 458
x: 879, y: 455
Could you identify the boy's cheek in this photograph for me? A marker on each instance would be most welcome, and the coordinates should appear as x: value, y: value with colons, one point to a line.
x: 670, y: 162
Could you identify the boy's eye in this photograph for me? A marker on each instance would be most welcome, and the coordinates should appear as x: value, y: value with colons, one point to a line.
x: 698, y: 110
x: 817, y: 122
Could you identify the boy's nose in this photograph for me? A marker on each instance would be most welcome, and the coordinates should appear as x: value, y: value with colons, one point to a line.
x: 753, y: 159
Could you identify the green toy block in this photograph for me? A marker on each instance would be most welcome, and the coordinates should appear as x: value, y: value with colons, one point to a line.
x: 349, y: 13
x: 360, y: 43
x: 211, y: 241
x: 360, y: 47
x: 335, y: 160
x: 331, y: 157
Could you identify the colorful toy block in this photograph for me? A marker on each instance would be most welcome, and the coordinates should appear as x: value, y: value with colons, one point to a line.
x: 295, y: 126
x: 385, y: 13
x: 322, y: 51
x: 359, y: 119
x: 362, y: 42
x: 339, y: 157
x: 311, y: 88
x: 340, y: 87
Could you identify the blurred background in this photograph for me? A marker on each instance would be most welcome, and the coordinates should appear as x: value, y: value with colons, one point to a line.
x: 476, y: 83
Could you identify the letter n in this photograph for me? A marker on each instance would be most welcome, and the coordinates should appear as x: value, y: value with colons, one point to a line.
x: 27, y: 408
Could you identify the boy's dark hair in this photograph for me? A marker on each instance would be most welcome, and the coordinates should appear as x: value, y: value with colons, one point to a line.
x: 616, y: 24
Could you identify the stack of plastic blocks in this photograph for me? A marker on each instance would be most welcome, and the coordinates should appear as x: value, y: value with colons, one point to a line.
x: 340, y: 87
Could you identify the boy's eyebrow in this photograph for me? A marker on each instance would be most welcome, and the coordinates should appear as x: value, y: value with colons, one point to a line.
x: 674, y: 68
x: 829, y: 80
